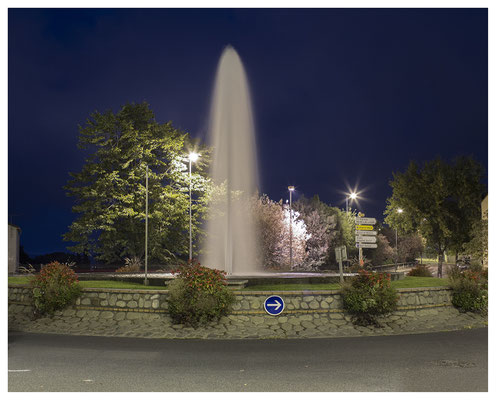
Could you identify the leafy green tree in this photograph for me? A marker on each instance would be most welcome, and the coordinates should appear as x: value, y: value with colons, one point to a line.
x: 109, y: 191
x: 384, y: 253
x: 477, y: 247
x: 410, y: 247
x: 439, y: 201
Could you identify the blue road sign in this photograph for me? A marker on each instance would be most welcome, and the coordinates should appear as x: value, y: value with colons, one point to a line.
x: 274, y: 305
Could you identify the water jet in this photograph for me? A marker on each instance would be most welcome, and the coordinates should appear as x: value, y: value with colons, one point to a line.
x: 231, y: 243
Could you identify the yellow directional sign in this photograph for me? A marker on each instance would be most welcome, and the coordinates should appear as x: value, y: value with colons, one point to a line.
x: 364, y: 227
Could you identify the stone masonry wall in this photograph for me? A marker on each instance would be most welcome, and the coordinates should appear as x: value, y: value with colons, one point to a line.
x: 143, y: 313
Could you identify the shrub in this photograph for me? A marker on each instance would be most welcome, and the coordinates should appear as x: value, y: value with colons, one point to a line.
x: 133, y: 264
x: 420, y: 270
x: 26, y: 269
x: 369, y: 295
x: 199, y: 295
x: 54, y: 288
x: 470, y: 289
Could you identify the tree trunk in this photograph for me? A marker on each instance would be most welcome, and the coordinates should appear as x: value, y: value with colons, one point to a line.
x: 440, y: 258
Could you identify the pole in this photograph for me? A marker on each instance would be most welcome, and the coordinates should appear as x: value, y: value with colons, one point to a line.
x: 346, y: 204
x: 396, y: 230
x: 290, y: 231
x: 190, y: 236
x: 341, y: 278
x: 146, y: 230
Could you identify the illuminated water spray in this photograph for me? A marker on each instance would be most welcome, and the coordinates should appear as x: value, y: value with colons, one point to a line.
x: 231, y: 241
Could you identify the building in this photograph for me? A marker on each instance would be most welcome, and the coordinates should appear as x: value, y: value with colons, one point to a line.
x: 484, y: 207
x: 14, y: 243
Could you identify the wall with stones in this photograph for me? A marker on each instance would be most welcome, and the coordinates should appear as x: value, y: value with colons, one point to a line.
x: 122, y: 312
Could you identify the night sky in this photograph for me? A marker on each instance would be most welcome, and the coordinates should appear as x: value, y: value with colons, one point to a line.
x: 341, y: 97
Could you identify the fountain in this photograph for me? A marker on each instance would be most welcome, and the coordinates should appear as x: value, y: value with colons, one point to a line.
x: 231, y: 240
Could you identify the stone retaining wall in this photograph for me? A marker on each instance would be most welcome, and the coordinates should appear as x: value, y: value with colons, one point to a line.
x: 143, y: 313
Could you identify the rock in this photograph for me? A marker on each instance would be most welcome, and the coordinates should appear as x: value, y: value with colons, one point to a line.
x: 113, y: 299
x: 133, y: 315
x: 119, y: 316
x: 314, y: 305
x: 307, y: 324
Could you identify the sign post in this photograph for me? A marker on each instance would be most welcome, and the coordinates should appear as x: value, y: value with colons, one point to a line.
x: 365, y: 236
x: 340, y: 257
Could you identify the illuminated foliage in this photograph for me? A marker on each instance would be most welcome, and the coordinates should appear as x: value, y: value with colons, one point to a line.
x: 109, y: 191
x: 440, y: 201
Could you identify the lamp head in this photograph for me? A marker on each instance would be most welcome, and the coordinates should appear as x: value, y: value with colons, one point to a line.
x: 353, y: 196
x: 193, y: 157
x: 291, y: 188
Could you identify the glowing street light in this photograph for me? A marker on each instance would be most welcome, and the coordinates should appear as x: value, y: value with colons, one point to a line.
x: 291, y: 190
x: 193, y: 157
x: 351, y: 196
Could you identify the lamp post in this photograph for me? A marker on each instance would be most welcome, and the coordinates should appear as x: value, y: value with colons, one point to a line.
x: 291, y: 190
x: 351, y: 196
x: 396, y: 230
x: 146, y: 228
x: 193, y: 157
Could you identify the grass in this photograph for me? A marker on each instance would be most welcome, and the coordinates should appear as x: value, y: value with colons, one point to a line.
x: 96, y: 284
x: 408, y: 282
x: 419, y: 281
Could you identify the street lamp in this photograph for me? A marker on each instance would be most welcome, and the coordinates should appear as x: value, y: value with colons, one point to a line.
x: 193, y: 157
x: 146, y: 228
x: 291, y: 190
x: 351, y: 196
x: 396, y: 229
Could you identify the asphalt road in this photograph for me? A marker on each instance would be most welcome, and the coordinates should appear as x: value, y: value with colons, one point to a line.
x: 447, y: 361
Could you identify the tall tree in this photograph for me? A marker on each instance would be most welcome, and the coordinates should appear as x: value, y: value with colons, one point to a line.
x: 110, y: 189
x: 439, y: 201
x: 477, y: 247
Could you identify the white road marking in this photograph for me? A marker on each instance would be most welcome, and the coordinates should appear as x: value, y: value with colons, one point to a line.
x: 19, y: 370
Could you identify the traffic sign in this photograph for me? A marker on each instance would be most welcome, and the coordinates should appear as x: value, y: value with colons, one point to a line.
x: 340, y: 253
x: 274, y: 305
x: 364, y: 220
x: 364, y: 227
x: 366, y: 233
x: 366, y: 245
x: 366, y: 239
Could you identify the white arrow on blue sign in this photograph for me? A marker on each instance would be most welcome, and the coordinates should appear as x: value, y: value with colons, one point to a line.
x: 274, y: 305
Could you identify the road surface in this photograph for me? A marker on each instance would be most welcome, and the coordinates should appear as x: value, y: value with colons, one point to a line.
x: 447, y: 361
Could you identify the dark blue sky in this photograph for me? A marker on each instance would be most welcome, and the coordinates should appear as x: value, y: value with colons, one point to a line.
x: 342, y: 97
